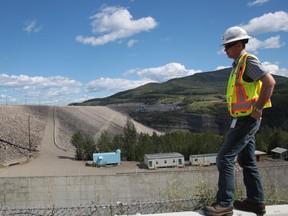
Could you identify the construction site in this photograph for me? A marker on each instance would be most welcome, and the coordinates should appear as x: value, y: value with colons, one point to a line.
x: 39, y: 172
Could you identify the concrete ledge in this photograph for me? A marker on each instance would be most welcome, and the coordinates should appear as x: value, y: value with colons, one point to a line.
x: 275, y: 210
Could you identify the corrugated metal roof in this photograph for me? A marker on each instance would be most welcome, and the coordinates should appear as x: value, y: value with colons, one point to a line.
x: 204, y: 155
x: 279, y: 150
x: 163, y: 155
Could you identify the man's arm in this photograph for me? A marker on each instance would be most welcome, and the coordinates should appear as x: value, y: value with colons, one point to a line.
x: 268, y: 84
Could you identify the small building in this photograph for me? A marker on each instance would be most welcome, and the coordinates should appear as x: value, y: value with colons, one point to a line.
x: 106, y: 158
x: 279, y: 152
x: 154, y: 161
x: 203, y: 159
x: 260, y: 155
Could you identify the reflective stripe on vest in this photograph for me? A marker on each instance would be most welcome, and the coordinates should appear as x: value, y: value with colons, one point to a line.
x: 241, y: 95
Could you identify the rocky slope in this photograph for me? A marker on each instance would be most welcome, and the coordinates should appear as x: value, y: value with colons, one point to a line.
x: 23, y: 128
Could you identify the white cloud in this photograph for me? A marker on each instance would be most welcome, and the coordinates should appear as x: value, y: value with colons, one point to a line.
x: 270, y: 22
x: 148, y: 75
x: 6, y: 98
x: 132, y: 43
x: 115, y: 23
x: 31, y: 26
x: 282, y: 72
x: 38, y: 87
x: 274, y: 69
x: 267, y: 23
x: 113, y: 85
x: 62, y: 90
x: 163, y: 73
x: 257, y: 2
x: 270, y: 43
x: 222, y: 67
x: 39, y: 81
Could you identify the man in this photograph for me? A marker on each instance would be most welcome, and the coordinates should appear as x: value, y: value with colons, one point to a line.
x: 249, y: 89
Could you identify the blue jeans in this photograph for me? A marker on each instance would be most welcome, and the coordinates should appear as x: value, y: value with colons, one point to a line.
x: 240, y: 141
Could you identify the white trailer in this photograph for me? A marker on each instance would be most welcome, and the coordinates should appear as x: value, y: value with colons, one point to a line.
x: 154, y: 161
x: 203, y: 159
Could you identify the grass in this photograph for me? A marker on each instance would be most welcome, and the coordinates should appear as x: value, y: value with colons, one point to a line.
x: 205, y: 191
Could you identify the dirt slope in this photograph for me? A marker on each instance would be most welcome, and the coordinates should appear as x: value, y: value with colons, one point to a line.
x: 51, y: 129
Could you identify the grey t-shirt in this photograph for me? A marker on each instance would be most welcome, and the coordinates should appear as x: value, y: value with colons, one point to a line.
x: 254, y: 69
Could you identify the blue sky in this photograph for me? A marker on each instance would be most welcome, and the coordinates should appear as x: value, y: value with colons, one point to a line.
x: 57, y: 52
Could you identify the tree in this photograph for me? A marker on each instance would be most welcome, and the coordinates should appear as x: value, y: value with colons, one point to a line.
x: 78, y: 142
x: 85, y: 146
x: 279, y: 139
x: 129, y: 140
x: 89, y: 148
x: 104, y: 144
x: 117, y: 142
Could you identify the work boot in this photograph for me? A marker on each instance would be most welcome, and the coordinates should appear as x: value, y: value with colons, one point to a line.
x: 245, y: 205
x: 218, y: 210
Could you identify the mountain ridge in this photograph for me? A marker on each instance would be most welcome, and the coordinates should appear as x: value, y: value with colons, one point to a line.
x: 174, y: 87
x: 200, y: 95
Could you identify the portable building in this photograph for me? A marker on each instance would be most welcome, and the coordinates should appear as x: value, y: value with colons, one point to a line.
x: 203, y: 159
x: 279, y: 152
x: 154, y: 161
x: 260, y: 155
x: 103, y: 159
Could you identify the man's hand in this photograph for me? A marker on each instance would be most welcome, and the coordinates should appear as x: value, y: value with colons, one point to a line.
x: 256, y: 115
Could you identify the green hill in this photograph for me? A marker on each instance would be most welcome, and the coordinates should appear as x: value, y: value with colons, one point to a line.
x: 176, y: 91
x: 192, y: 103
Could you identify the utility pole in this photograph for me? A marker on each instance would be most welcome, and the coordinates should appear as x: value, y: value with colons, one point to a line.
x: 29, y: 138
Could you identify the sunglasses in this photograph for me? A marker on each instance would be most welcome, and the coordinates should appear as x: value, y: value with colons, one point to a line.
x: 228, y: 46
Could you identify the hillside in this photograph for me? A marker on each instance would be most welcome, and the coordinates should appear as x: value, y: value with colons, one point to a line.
x: 192, y: 103
x: 200, y: 86
x: 48, y: 130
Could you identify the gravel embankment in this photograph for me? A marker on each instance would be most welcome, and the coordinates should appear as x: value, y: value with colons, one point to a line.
x: 14, y: 124
x: 51, y: 129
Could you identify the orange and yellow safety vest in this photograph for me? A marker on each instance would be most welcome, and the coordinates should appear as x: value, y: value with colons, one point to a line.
x: 241, y: 95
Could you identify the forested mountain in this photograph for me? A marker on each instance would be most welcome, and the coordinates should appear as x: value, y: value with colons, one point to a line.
x: 192, y: 103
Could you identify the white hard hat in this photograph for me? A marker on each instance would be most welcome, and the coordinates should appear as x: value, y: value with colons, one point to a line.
x: 234, y: 33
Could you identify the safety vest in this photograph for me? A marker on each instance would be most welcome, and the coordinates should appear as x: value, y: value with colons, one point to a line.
x: 242, y: 96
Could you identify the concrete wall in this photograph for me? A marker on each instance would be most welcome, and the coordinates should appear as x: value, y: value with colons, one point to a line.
x: 32, y: 192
